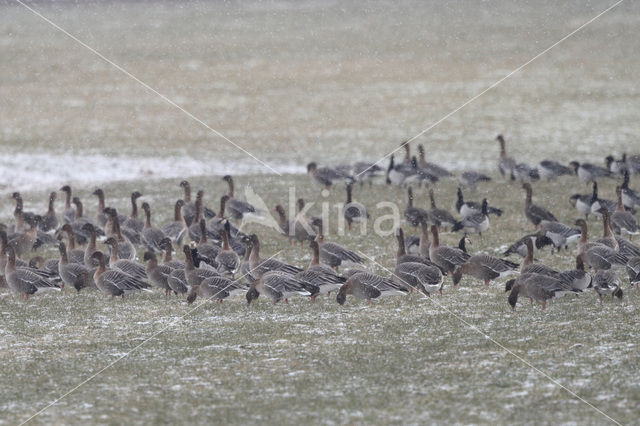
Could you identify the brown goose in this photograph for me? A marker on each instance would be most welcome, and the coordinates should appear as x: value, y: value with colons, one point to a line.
x: 334, y: 254
x: 439, y: 217
x: 79, y: 219
x: 101, y: 218
x: 608, y: 239
x: 216, y: 288
x: 424, y: 278
x: 69, y: 213
x: 24, y: 280
x: 534, y: 212
x: 623, y: 222
x: 486, y: 268
x: 403, y: 257
x: 278, y: 285
x: 321, y: 276
x: 126, y: 249
x: 151, y: 236
x: 22, y: 243
x: 354, y: 211
x: 283, y: 223
x: 412, y: 214
x: 216, y: 223
x: 127, y: 266
x: 4, y: 247
x: 537, y: 287
x: 88, y: 260
x: 50, y: 219
x: 168, y: 255
x: 598, y: 255
x: 76, y: 255
x: 506, y: 164
x: 327, y: 176
x: 74, y: 275
x: 194, y: 276
x: 178, y: 281
x: 114, y: 282
x: 194, y: 229
x: 447, y: 258
x: 236, y: 208
x: 606, y: 282
x: 303, y: 226
x: 260, y: 266
x: 365, y: 285
x: 134, y: 222
x: 432, y: 168
x: 189, y: 208
x: 228, y: 260
x: 158, y: 274
x: 206, y: 250
x: 176, y: 230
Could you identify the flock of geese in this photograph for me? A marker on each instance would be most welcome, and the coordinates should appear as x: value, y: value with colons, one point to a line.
x: 101, y: 252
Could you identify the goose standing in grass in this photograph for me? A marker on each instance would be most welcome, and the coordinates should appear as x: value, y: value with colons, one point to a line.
x: 321, y: 276
x: 622, y: 221
x: 176, y: 230
x: 470, y: 179
x: 260, y: 266
x: 630, y: 197
x: 73, y: 275
x: 303, y: 226
x: 627, y: 248
x: 534, y: 212
x: 69, y: 213
x: 403, y: 257
x: 353, y: 211
x: 114, y: 282
x: 439, y: 217
x: 608, y: 239
x: 398, y: 174
x: 4, y: 247
x: 366, y: 172
x: 582, y: 203
x: 431, y: 168
x: 520, y: 247
x: 524, y: 173
x: 412, y: 214
x: 177, y: 281
x: 216, y: 223
x: 76, y: 255
x: 486, y: 268
x: 334, y: 254
x: 537, y: 287
x: 80, y: 219
x: 476, y: 223
x: 158, y: 274
x: 193, y: 275
x: 506, y: 164
x: 588, y: 172
x: 327, y: 176
x: 421, y: 175
x: 606, y: 282
x: 277, y: 286
x: 424, y: 278
x: 24, y: 280
x: 467, y: 208
x: 228, y: 260
x: 447, y: 258
x: 126, y: 249
x: 598, y: 203
x: 194, y: 228
x: 50, y: 219
x: 127, y: 266
x: 367, y: 286
x: 91, y: 247
x: 101, y: 218
x: 577, y: 278
x: 616, y: 167
x: 560, y: 234
x: 23, y: 242
x: 151, y: 236
x: 134, y: 222
x: 550, y: 170
x: 598, y: 255
x: 216, y: 288
x: 283, y: 223
x: 168, y: 259
x: 189, y: 207
x: 236, y: 208
x: 207, y: 251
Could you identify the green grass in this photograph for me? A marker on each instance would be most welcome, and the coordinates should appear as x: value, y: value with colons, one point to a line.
x: 400, y: 360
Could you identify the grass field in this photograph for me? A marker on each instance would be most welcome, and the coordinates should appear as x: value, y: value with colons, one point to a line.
x: 400, y: 360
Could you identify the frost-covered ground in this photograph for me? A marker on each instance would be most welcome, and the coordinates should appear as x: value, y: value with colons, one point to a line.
x: 403, y: 360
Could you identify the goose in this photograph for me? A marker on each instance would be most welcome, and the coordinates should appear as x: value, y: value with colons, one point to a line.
x: 194, y: 276
x: 534, y: 212
x: 194, y: 229
x: 73, y: 275
x: 22, y: 218
x: 432, y: 168
x: 560, y: 234
x: 633, y: 163
x: 421, y: 175
x: 439, y: 217
x: 400, y: 173
x: 506, y: 164
x: 4, y: 247
x: 76, y: 255
x: 334, y: 254
x: 582, y: 203
x: 327, y: 176
x: 278, y: 285
x: 236, y: 208
x: 260, y: 266
x: 283, y: 223
x: 127, y: 266
x: 228, y: 260
x: 608, y: 239
x: 87, y: 259
x: 616, y: 167
x: 412, y: 214
x: 126, y: 249
x: 79, y: 220
x: 168, y: 260
x: 630, y: 197
x: 69, y: 213
x: 189, y: 207
x: 114, y: 282
x: 537, y: 287
x: 50, y: 219
x: 176, y: 230
x: 599, y: 203
x: 622, y: 221
x: 158, y: 274
x: 216, y: 223
x: 45, y: 268
x: 577, y: 278
x: 403, y: 257
x: 627, y: 248
x: 177, y: 281
x: 588, y: 172
x: 302, y: 225
x: 365, y: 285
x: 524, y: 173
x: 486, y: 268
x: 528, y: 266
x: 597, y: 255
x: 467, y: 208
x: 101, y: 218
x: 245, y: 264
x: 519, y: 247
x: 321, y: 276
x: 24, y: 280
x: 207, y: 251
x: 151, y: 236
x: 424, y: 278
x: 23, y: 242
x: 217, y: 288
x: 134, y: 222
x: 366, y: 172
x: 550, y: 170
x: 447, y: 258
x: 471, y: 179
x: 633, y: 270
x: 353, y: 211
x: 606, y: 282
x: 476, y: 223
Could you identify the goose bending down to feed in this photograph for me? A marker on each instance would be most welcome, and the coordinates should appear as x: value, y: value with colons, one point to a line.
x: 424, y: 278
x: 114, y: 282
x: 334, y: 254
x: 158, y: 274
x: 227, y: 259
x: 467, y: 208
x: 236, y: 208
x: 486, y: 268
x: 176, y: 230
x: 327, y: 176
x: 437, y: 216
x: 367, y: 286
x: 550, y: 170
x: 588, y: 172
x: 151, y: 236
x: 476, y: 223
x: 534, y: 212
x: 536, y: 287
x: 73, y: 275
x: 447, y: 258
x: 321, y: 276
x: 216, y: 288
x: 412, y: 214
x: 24, y: 280
x: 606, y: 282
x: 353, y: 211
x: 622, y: 221
x: 277, y: 286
